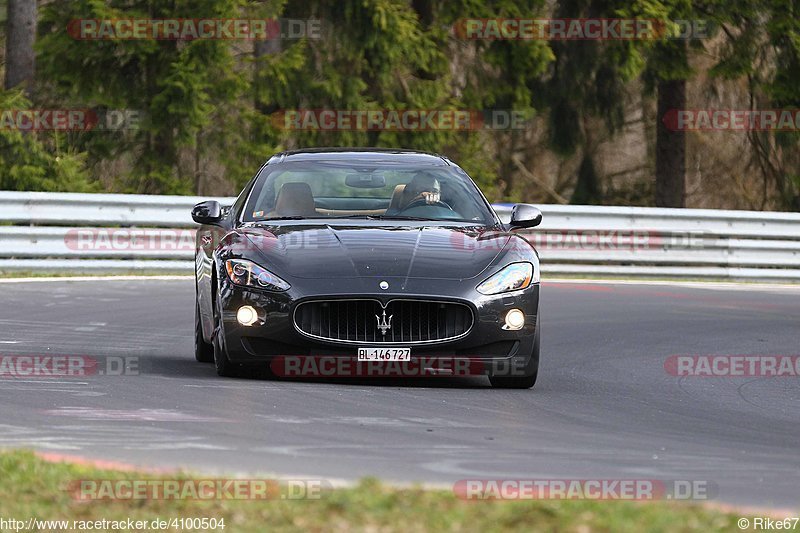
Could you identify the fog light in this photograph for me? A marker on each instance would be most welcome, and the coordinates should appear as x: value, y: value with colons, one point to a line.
x: 246, y: 315
x: 515, y: 319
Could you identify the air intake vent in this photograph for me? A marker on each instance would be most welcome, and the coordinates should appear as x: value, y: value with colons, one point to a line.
x: 366, y: 321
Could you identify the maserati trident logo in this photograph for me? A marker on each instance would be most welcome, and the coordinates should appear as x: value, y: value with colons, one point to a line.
x: 384, y: 324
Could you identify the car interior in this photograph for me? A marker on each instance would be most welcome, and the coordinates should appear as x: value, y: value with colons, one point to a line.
x: 423, y: 196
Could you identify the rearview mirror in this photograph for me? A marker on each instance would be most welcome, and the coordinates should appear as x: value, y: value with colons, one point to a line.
x: 525, y: 216
x: 208, y: 212
x: 365, y: 181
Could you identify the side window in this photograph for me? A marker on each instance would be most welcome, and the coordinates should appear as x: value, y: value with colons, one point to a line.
x: 238, y: 205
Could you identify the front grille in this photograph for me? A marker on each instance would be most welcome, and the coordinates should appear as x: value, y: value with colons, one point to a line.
x: 365, y: 321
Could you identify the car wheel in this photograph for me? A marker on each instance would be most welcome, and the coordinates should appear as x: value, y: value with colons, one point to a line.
x: 223, y: 365
x: 203, y: 351
x: 525, y: 381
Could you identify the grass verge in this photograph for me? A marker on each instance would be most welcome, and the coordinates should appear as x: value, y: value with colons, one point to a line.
x: 32, y: 487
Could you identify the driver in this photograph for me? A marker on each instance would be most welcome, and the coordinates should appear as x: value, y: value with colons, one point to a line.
x: 423, y: 187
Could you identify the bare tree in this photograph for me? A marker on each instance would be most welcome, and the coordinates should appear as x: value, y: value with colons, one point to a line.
x: 20, y: 36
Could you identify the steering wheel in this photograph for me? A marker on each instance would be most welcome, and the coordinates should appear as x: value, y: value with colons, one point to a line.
x: 419, y: 202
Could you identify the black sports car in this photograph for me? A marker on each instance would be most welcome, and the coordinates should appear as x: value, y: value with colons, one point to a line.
x: 369, y: 255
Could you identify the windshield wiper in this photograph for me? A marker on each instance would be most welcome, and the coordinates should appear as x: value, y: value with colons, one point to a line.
x: 366, y: 217
x: 292, y: 217
x: 387, y: 217
x: 399, y: 217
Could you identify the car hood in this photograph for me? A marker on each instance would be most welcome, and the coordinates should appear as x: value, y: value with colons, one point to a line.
x: 325, y: 251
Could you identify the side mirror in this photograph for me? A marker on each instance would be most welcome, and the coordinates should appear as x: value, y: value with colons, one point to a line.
x: 525, y: 216
x: 209, y: 212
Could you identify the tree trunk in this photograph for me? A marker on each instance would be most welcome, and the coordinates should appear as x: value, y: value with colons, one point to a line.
x: 587, y: 189
x: 424, y: 10
x: 670, y: 147
x: 20, y: 36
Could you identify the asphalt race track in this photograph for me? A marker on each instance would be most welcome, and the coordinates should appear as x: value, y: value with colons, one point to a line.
x: 604, y: 407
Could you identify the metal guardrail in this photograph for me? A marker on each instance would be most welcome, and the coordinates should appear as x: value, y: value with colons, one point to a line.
x: 111, y: 233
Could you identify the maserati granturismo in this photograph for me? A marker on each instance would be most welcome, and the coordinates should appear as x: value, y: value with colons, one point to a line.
x: 376, y: 256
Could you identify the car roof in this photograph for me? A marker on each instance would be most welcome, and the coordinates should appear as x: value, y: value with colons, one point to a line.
x: 362, y: 154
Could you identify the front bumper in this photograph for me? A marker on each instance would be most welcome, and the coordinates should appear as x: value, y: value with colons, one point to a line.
x: 274, y: 336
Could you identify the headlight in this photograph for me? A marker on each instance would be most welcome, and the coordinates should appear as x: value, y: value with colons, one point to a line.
x: 514, y: 277
x: 249, y: 274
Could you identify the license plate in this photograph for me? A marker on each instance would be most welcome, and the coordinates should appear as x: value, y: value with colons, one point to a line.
x: 384, y: 354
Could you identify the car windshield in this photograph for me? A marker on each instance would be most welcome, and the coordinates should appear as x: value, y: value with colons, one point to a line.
x: 334, y: 189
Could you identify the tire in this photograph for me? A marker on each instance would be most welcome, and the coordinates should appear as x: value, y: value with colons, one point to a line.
x: 526, y: 381
x: 221, y: 362
x: 203, y: 351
